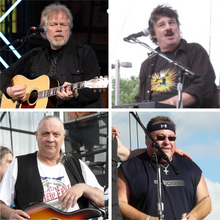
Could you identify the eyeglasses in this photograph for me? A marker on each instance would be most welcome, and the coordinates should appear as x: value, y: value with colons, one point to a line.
x: 162, y: 138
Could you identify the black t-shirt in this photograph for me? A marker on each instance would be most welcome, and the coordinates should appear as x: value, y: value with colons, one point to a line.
x: 164, y: 79
x: 178, y: 191
x: 53, y: 65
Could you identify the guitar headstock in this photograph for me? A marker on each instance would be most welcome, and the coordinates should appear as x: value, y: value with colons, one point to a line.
x: 97, y: 83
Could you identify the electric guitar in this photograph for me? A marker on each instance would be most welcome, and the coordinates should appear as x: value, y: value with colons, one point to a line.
x: 41, y: 92
x: 43, y: 211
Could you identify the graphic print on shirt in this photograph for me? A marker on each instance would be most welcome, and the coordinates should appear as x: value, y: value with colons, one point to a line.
x: 164, y: 81
x: 53, y: 189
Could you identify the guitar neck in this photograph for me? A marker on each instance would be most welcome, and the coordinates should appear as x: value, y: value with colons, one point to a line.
x: 53, y: 91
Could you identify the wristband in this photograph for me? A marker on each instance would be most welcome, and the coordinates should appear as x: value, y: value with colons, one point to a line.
x: 148, y: 217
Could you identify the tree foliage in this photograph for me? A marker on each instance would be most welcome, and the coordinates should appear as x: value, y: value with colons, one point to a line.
x: 128, y: 90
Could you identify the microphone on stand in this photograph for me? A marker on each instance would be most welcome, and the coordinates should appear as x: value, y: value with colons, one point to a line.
x: 144, y: 33
x: 41, y: 30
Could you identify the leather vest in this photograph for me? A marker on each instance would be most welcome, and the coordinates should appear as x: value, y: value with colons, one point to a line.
x: 29, y: 188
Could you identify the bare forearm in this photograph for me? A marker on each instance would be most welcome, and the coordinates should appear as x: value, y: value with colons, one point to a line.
x: 5, y: 211
x: 123, y: 152
x: 130, y: 212
x: 202, y: 211
x: 203, y: 206
x: 8, y: 213
x: 186, y: 98
x: 94, y: 194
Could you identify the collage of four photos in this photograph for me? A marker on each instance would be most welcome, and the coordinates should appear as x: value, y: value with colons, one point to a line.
x: 109, y: 110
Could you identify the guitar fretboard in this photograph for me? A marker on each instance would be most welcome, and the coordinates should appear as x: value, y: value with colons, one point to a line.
x: 53, y: 91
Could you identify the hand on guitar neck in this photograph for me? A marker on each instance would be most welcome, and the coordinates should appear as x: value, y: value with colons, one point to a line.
x: 66, y: 93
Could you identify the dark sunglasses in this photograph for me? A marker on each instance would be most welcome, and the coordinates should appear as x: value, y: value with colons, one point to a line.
x: 162, y: 138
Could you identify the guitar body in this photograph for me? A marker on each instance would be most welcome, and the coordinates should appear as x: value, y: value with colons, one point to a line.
x: 43, y: 211
x: 41, y: 92
x: 33, y: 87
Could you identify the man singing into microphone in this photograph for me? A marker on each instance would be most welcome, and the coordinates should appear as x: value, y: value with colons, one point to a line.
x: 138, y: 182
x: 159, y: 78
x: 62, y: 59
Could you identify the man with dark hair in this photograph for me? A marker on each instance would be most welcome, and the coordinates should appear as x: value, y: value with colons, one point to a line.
x: 137, y: 180
x: 159, y: 78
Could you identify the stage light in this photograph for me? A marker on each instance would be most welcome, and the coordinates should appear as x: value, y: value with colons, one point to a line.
x: 11, y: 47
x: 9, y: 10
x: 4, y: 63
x: 4, y: 38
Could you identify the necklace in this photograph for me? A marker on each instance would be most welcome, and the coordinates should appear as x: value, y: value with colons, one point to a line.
x: 165, y: 169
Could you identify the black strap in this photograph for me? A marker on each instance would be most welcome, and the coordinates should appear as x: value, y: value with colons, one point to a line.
x: 73, y: 165
x: 18, y: 104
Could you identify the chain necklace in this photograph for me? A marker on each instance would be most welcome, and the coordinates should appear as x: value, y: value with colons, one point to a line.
x: 165, y: 169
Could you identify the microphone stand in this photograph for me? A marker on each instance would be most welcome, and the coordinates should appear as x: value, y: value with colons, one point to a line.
x: 160, y: 205
x: 22, y: 40
x: 181, y: 76
x: 182, y: 70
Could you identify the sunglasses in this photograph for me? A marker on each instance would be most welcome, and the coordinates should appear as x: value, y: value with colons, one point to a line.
x: 162, y: 138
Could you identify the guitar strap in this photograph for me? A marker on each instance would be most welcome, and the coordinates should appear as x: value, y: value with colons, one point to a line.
x: 73, y: 165
x: 18, y: 104
x: 75, y: 168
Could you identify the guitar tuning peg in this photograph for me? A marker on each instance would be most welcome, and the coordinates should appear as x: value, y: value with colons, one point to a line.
x: 94, y: 91
x: 104, y: 90
x: 100, y: 90
x: 96, y: 77
x: 101, y: 77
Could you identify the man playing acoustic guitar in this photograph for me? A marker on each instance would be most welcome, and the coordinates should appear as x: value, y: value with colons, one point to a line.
x: 62, y: 59
x: 48, y: 177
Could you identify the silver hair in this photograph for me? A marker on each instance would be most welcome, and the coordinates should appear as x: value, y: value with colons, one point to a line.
x: 48, y: 117
x: 52, y: 9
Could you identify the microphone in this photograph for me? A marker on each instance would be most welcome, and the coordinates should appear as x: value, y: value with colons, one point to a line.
x: 42, y: 30
x: 145, y: 33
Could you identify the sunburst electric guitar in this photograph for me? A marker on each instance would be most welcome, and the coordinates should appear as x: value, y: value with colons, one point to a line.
x: 43, y: 211
x: 41, y: 92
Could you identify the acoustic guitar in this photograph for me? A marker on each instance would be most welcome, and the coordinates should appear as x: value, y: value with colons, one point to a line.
x: 43, y: 211
x: 41, y: 92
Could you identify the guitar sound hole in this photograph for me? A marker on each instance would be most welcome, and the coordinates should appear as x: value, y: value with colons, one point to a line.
x: 33, y: 97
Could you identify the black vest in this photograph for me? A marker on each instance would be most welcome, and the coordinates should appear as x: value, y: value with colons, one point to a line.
x: 29, y: 188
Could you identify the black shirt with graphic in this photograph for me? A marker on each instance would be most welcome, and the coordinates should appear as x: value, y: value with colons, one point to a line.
x: 164, y: 79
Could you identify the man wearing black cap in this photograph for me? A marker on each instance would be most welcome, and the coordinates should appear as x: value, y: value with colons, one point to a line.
x: 137, y: 180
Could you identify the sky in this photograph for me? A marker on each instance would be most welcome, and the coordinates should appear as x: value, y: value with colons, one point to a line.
x: 198, y: 18
x: 198, y: 134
